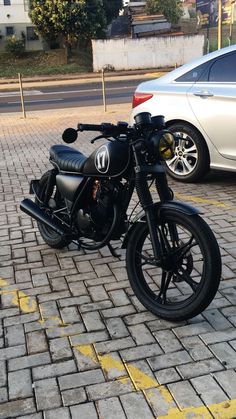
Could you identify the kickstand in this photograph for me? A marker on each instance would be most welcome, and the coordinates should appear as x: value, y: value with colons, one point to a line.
x: 112, y: 250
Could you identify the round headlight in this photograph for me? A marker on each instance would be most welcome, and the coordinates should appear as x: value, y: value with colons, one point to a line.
x: 167, y: 146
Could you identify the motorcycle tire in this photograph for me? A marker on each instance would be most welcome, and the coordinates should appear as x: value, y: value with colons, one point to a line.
x: 50, y: 237
x: 185, y: 282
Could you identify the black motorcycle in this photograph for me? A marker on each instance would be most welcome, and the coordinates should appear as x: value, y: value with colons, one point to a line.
x: 173, y: 259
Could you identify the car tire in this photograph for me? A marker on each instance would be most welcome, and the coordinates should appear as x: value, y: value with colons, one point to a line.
x: 191, y: 160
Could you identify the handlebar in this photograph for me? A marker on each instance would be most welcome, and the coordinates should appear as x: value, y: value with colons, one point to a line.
x: 105, y: 128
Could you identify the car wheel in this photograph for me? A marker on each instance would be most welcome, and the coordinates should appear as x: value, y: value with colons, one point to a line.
x: 191, y: 159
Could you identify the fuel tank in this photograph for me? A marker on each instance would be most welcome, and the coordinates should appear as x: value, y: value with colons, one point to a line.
x: 109, y: 160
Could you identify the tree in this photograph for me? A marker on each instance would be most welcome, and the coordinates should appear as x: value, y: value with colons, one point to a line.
x: 71, y: 20
x: 112, y: 8
x: 171, y: 9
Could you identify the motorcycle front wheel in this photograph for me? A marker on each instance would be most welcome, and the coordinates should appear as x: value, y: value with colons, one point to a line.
x: 182, y: 283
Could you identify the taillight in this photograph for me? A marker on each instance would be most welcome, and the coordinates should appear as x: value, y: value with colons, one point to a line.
x: 139, y: 98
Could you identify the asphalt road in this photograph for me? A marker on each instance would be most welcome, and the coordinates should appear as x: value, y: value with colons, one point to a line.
x: 87, y: 94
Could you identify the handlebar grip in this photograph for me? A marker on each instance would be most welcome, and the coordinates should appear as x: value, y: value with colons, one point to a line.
x: 89, y: 127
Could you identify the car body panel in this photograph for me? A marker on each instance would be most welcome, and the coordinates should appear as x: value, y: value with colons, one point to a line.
x: 213, y: 116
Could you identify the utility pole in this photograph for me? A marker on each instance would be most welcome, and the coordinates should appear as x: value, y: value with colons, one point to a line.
x: 219, y: 24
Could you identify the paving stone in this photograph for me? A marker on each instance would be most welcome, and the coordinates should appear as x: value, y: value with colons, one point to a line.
x: 20, y: 384
x: 61, y: 412
x: 60, y: 349
x: 224, y: 352
x: 87, y: 338
x: 12, y: 352
x: 47, y: 394
x: 139, y: 352
x: 217, y: 320
x: 114, y: 345
x: 169, y: 360
x: 209, y: 390
x: 116, y: 328
x: 141, y: 334
x: 93, y: 321
x: 111, y: 389
x: 135, y: 406
x: 110, y: 408
x: 73, y: 396
x: 16, y: 408
x: 29, y: 361
x: 81, y: 379
x: 168, y: 341
x: 70, y: 315
x: 196, y: 369
x: 193, y: 329
x: 36, y: 342
x: 98, y: 293
x: 220, y: 336
x: 118, y: 311
x: 3, y: 373
x: 139, y: 318
x: 84, y: 411
x: 184, y: 395
x: 119, y: 298
x: 33, y: 416
x: 3, y: 395
x: 196, y: 348
x: 159, y: 402
x: 166, y: 376
x: 227, y: 381
x: 100, y: 305
x: 74, y: 301
x: 54, y: 370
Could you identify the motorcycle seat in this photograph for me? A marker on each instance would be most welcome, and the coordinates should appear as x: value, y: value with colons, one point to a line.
x: 67, y: 159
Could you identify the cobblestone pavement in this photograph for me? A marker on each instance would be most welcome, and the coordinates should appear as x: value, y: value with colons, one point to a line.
x: 74, y: 340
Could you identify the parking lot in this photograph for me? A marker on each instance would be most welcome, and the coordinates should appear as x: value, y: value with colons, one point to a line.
x: 74, y: 340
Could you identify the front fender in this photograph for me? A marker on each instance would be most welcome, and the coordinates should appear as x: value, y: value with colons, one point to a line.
x: 175, y: 205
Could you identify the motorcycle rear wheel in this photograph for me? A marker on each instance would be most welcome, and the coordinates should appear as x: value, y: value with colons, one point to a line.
x: 185, y: 283
x: 50, y: 237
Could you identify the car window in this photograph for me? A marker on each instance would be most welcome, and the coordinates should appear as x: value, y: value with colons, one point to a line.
x: 195, y: 74
x: 223, y: 69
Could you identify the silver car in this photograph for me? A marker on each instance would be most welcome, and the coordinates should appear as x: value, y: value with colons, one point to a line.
x: 198, y: 101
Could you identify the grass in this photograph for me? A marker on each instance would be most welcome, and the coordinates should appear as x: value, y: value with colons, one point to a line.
x: 38, y: 64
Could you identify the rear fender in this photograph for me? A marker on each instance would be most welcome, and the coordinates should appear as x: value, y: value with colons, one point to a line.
x: 175, y: 205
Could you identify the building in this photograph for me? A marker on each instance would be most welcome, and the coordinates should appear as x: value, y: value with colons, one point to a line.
x: 14, y: 20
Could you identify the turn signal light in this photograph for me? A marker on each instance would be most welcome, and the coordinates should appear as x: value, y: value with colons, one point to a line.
x: 139, y: 98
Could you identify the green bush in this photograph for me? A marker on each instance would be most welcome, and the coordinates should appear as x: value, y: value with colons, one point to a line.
x: 15, y: 46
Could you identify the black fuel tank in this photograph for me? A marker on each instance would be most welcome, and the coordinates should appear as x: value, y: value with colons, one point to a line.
x: 111, y: 159
x: 68, y: 185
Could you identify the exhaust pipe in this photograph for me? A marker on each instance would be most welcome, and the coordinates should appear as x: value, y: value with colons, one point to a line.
x: 32, y: 209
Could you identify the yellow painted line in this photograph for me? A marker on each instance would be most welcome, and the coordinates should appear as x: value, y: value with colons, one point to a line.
x: 199, y: 200
x: 88, y: 351
x: 140, y: 380
x: 3, y: 283
x: 157, y: 74
x: 190, y: 412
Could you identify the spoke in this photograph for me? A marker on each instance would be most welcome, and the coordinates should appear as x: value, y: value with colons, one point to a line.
x: 185, y: 248
x: 187, y: 278
x: 186, y: 166
x: 147, y: 260
x: 192, y: 149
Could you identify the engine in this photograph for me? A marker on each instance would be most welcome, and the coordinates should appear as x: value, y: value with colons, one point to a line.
x: 95, y: 219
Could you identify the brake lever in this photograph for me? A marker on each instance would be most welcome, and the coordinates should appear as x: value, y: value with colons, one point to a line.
x: 96, y: 138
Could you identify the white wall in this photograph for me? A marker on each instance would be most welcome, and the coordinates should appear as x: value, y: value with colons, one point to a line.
x: 156, y: 52
x: 16, y: 12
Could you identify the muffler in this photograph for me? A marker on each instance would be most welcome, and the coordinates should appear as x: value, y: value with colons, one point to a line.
x: 32, y: 209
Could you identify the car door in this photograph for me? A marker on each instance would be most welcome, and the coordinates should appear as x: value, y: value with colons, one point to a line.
x: 213, y: 101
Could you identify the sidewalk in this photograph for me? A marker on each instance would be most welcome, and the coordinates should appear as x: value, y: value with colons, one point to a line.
x: 59, y: 80
x: 75, y: 343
